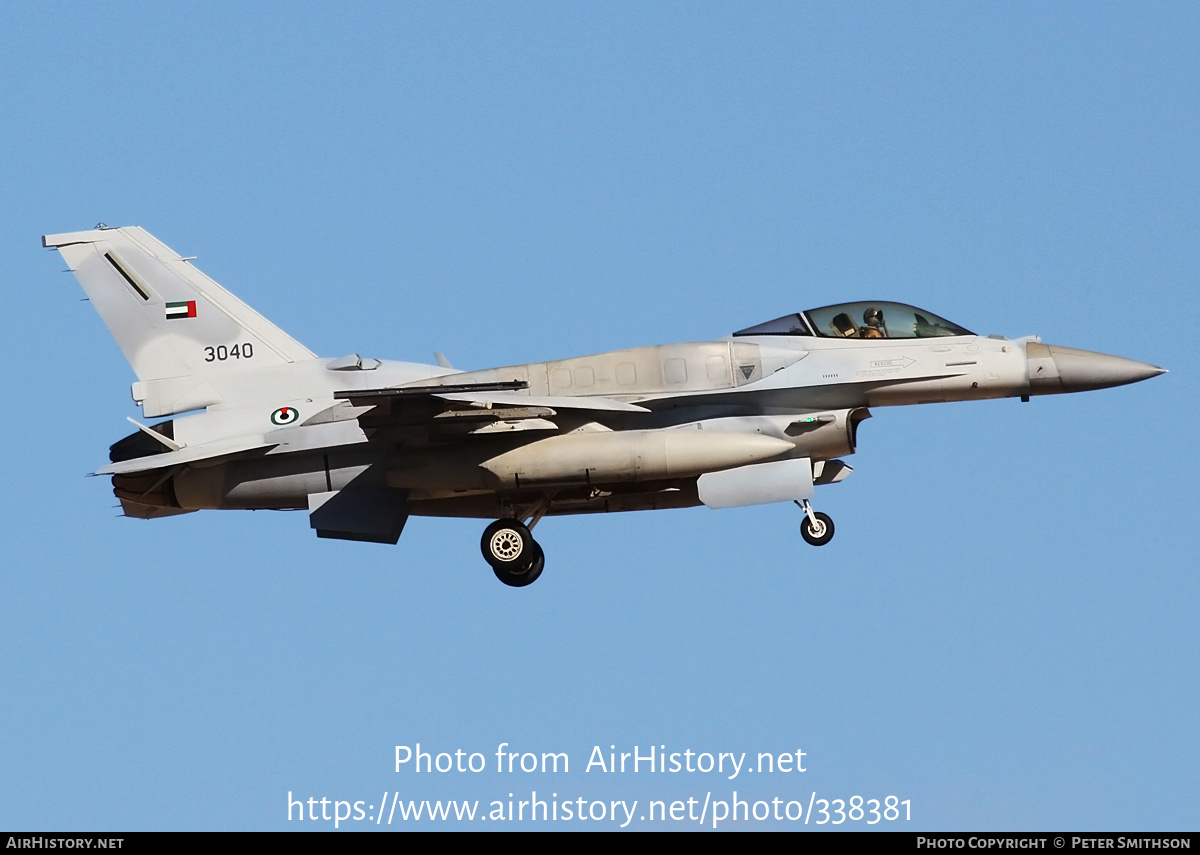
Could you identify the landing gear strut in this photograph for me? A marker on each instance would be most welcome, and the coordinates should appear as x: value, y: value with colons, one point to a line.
x: 516, y: 558
x: 817, y: 528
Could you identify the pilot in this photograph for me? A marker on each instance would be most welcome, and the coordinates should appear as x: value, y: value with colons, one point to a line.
x: 874, y: 325
x: 843, y: 326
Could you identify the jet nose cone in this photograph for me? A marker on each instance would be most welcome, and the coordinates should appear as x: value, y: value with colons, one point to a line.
x: 1081, y: 370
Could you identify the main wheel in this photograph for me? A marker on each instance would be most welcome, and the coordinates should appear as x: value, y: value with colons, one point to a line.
x: 821, y: 533
x: 519, y: 579
x: 506, y: 545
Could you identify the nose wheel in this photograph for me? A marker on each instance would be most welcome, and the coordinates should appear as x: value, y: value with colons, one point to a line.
x: 516, y: 558
x: 817, y: 528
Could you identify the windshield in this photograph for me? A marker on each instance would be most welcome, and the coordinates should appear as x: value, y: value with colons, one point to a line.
x: 787, y: 325
x: 861, y: 320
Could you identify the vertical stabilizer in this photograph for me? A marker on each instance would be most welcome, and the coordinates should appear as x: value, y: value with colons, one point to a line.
x: 181, y: 332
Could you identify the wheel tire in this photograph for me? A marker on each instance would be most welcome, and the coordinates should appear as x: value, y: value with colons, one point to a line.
x: 820, y: 535
x: 528, y: 576
x: 507, y: 546
x: 537, y: 565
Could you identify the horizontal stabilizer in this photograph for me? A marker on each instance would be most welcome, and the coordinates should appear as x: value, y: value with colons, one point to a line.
x: 209, y: 452
x: 138, y: 511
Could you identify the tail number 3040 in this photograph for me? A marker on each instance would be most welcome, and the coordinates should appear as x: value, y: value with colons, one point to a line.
x: 222, y: 352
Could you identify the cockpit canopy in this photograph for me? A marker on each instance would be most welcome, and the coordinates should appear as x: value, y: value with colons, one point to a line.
x: 860, y: 320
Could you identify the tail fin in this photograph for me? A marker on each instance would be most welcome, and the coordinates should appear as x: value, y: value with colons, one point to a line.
x: 182, y: 333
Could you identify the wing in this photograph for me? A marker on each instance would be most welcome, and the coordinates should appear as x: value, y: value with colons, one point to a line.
x: 453, y: 411
x: 429, y: 413
x: 485, y: 395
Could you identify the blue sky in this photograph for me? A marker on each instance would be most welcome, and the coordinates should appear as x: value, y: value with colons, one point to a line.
x: 1002, y: 631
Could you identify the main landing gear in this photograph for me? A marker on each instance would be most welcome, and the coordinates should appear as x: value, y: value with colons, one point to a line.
x: 817, y: 528
x: 516, y: 558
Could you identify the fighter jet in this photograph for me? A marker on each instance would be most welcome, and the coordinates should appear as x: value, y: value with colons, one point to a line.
x: 763, y: 415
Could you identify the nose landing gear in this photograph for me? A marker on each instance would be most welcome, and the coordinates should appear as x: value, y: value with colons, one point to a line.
x: 817, y: 528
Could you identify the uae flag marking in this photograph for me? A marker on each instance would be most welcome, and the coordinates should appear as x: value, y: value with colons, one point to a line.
x: 185, y: 309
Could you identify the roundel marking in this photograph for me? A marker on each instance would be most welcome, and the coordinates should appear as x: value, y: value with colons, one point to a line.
x: 285, y: 416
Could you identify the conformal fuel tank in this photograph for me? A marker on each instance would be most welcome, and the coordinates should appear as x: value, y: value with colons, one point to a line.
x: 644, y: 455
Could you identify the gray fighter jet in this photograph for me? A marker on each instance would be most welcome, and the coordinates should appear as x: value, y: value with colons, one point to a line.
x: 760, y: 416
